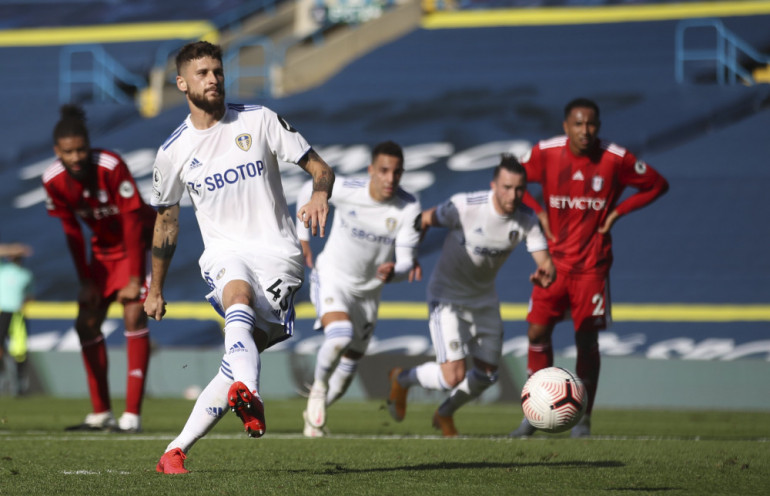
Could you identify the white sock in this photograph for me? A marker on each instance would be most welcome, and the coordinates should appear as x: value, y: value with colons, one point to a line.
x: 427, y: 375
x: 341, y: 379
x: 475, y: 382
x: 210, y: 406
x: 241, y: 353
x: 337, y: 337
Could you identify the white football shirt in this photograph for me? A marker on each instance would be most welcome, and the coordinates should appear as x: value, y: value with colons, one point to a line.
x: 365, y: 233
x: 231, y: 174
x: 477, y: 244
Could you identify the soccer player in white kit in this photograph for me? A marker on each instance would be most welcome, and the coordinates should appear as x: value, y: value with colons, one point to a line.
x: 374, y: 219
x: 484, y: 228
x: 226, y: 157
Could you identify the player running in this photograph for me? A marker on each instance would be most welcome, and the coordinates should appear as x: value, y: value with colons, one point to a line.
x: 95, y: 186
x: 374, y: 220
x: 226, y: 157
x: 583, y: 178
x: 484, y: 228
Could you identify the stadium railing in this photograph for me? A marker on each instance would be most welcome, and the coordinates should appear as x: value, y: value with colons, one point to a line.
x: 725, y: 52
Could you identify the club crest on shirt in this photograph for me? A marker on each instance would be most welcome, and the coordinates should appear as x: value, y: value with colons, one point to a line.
x: 597, y: 183
x: 513, y: 236
x: 390, y: 223
x: 220, y: 274
x: 126, y: 189
x: 157, y: 178
x: 243, y: 141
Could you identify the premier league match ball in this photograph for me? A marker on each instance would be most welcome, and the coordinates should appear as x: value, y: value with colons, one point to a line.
x: 553, y: 399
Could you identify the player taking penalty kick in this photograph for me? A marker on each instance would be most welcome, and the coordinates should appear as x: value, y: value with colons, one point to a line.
x: 225, y: 156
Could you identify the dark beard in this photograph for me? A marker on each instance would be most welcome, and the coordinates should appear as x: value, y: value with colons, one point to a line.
x: 82, y: 175
x: 214, y: 107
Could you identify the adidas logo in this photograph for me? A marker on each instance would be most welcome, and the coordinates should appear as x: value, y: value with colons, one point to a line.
x: 479, y: 230
x: 578, y: 176
x: 195, y: 163
x: 236, y: 348
x: 215, y: 411
x: 352, y: 213
x: 135, y: 373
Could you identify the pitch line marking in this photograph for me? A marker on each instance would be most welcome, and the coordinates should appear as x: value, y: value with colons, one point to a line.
x: 40, y: 436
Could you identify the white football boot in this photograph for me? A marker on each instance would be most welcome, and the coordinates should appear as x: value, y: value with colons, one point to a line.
x: 309, y: 430
x: 316, y: 405
x: 129, y: 423
x: 102, y: 421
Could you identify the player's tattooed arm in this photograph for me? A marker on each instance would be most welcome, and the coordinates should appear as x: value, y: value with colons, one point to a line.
x: 164, y: 240
x: 323, y: 175
x: 166, y: 232
x: 315, y: 212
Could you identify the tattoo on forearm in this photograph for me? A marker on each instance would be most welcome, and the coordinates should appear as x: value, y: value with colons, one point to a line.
x: 323, y: 182
x: 164, y: 251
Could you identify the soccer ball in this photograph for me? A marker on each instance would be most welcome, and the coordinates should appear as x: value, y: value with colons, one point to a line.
x: 553, y: 399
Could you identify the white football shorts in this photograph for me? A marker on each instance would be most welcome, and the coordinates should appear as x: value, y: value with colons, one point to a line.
x: 458, y: 331
x: 327, y: 297
x: 273, y: 292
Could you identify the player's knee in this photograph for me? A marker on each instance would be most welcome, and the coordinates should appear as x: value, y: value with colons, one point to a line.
x: 453, y: 373
x: 586, y: 341
x: 237, y: 292
x: 479, y: 380
x: 539, y: 334
x: 338, y: 336
x: 353, y: 354
x: 87, y: 328
x: 485, y: 377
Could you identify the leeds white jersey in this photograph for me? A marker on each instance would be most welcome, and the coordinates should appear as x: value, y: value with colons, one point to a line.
x: 477, y: 244
x: 364, y: 234
x: 231, y: 174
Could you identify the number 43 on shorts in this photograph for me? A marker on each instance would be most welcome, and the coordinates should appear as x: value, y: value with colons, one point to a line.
x: 283, y: 292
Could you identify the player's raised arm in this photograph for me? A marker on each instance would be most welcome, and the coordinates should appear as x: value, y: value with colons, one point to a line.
x: 314, y: 213
x: 164, y: 240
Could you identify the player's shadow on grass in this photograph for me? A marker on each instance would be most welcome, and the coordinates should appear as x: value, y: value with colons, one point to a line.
x: 340, y: 469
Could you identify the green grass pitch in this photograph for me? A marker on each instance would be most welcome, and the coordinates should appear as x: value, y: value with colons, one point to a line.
x: 631, y: 452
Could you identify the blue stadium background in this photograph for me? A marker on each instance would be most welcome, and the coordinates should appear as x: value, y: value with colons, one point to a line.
x: 456, y: 98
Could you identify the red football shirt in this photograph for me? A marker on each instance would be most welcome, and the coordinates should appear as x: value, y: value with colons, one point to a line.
x: 580, y: 192
x: 103, y: 207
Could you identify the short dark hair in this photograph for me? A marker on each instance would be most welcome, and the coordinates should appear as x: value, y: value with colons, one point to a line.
x: 388, y: 148
x: 197, y: 50
x: 581, y: 103
x: 511, y: 164
x: 71, y: 123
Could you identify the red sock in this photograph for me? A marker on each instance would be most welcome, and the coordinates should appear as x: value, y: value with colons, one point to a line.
x: 95, y: 359
x: 540, y: 356
x: 588, y: 365
x: 138, y: 351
